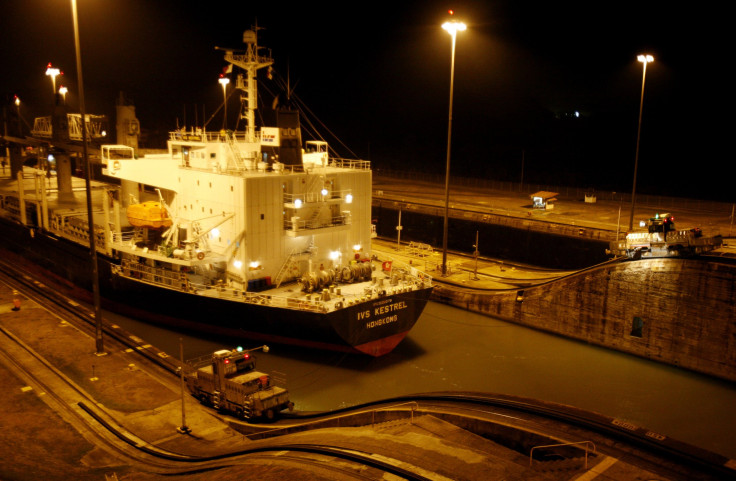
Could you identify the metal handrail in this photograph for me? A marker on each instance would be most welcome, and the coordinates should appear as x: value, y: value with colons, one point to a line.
x: 415, y: 407
x: 586, y: 443
x: 414, y: 404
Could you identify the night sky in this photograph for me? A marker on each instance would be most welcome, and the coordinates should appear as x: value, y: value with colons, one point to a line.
x: 378, y: 78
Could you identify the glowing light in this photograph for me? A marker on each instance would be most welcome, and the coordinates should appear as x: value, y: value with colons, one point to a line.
x: 297, y: 203
x: 334, y: 255
x: 349, y: 198
x: 645, y: 58
x: 255, y: 265
x: 215, y: 232
x: 53, y: 73
x: 453, y: 27
x: 323, y: 192
x: 237, y: 264
x: 17, y: 101
x: 357, y: 247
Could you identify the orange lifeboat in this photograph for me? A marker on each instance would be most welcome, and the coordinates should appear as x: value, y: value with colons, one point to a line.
x: 149, y: 214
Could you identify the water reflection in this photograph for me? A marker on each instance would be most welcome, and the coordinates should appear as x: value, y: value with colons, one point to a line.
x: 451, y: 349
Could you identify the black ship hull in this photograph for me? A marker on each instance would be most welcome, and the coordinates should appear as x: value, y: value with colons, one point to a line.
x: 373, y: 327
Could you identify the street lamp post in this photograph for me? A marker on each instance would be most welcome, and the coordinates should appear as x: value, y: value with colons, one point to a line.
x: 224, y: 81
x: 63, y: 90
x: 644, y: 59
x: 87, y: 174
x: 452, y: 28
x: 17, y: 106
x: 183, y: 429
x: 52, y: 72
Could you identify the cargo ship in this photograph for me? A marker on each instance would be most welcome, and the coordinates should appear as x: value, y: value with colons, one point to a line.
x: 245, y: 233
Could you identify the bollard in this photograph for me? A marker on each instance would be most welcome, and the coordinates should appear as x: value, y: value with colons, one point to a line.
x: 16, y: 301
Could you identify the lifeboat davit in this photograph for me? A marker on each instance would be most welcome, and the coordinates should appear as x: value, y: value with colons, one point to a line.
x: 149, y: 214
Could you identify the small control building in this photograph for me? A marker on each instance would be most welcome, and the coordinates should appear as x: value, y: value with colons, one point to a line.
x: 544, y: 199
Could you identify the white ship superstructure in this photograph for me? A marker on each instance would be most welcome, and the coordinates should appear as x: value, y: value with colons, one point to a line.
x: 271, y: 222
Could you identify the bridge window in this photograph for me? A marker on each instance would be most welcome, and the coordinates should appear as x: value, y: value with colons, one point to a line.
x: 637, y: 325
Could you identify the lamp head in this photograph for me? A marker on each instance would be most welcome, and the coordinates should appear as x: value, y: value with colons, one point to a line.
x: 645, y: 58
x: 453, y: 27
x: 52, y: 71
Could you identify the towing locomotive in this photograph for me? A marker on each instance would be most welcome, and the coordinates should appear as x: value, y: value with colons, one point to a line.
x: 662, y: 239
x: 228, y: 381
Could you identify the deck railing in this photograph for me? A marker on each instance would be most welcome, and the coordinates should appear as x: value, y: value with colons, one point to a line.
x: 181, y: 281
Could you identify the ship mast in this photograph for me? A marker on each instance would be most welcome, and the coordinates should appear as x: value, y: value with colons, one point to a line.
x: 250, y: 61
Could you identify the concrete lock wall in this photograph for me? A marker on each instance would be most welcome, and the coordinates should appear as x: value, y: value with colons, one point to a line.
x: 676, y: 311
x: 530, y: 241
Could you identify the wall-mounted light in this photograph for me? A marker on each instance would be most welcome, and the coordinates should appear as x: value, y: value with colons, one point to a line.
x: 349, y: 198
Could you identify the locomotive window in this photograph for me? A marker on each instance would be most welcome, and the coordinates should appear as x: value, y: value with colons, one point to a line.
x: 637, y: 325
x: 244, y: 365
